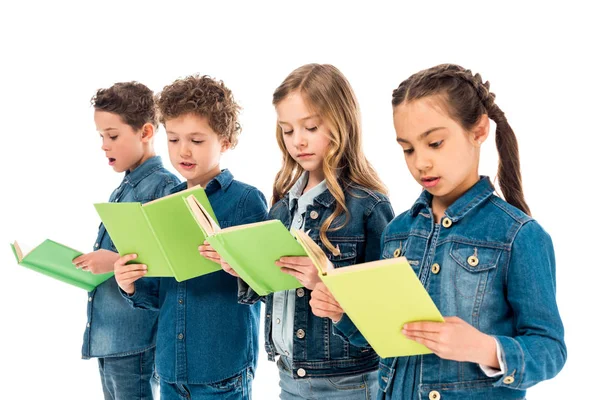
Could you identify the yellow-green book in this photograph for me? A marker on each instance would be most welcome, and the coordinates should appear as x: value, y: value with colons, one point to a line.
x: 162, y: 233
x: 251, y: 249
x: 379, y: 297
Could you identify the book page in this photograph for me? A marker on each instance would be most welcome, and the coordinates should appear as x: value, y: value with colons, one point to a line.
x: 202, y: 216
x: 316, y: 254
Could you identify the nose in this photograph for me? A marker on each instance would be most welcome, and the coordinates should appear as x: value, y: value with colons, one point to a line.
x: 184, y: 149
x: 105, y: 146
x: 422, y: 161
x: 298, y: 139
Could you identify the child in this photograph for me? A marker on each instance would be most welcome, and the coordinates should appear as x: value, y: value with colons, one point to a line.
x: 327, y: 187
x: 487, y: 265
x: 121, y: 338
x: 207, y: 343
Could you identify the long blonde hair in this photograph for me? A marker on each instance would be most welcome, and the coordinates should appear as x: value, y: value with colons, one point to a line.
x: 327, y: 91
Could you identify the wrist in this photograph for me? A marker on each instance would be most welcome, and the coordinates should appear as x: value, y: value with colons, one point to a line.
x: 486, y: 354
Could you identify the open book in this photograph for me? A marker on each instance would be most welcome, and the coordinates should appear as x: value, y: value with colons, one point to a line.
x: 162, y: 233
x: 379, y: 297
x: 55, y: 260
x: 251, y: 249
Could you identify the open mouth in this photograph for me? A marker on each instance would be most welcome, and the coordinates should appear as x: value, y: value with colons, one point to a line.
x: 187, y: 165
x: 111, y: 161
x: 430, y: 181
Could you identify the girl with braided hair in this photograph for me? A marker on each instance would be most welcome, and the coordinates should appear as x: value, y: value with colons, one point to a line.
x: 486, y: 263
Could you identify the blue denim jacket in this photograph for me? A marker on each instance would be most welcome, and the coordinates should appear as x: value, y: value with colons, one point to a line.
x: 113, y: 328
x: 317, y: 352
x: 495, y: 270
x: 204, y: 335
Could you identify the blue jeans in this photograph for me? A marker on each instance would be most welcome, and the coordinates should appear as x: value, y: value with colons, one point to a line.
x: 128, y: 377
x: 347, y: 387
x: 238, y: 387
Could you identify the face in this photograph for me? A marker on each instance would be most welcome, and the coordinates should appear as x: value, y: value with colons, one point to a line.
x: 124, y: 147
x: 194, y: 148
x: 441, y: 156
x: 305, y: 133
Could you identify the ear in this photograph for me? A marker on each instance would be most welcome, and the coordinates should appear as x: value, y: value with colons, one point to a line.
x: 225, y: 145
x: 481, y: 130
x: 147, y: 132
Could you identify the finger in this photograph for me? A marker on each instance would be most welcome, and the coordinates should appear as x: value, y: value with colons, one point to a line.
x: 290, y: 271
x: 427, y: 343
x: 296, y: 267
x: 131, y: 267
x: 296, y: 260
x: 79, y: 259
x: 125, y: 259
x: 324, y: 297
x: 325, y: 307
x: 205, y: 247
x: 211, y: 256
x: 429, y: 336
x: 423, y: 326
x: 130, y: 276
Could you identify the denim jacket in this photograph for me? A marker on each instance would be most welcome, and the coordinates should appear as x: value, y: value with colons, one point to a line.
x: 316, y: 351
x: 204, y: 335
x: 113, y: 328
x: 493, y: 266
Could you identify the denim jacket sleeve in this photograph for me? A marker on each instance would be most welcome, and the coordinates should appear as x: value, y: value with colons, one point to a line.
x: 253, y: 208
x: 145, y: 295
x: 538, y: 351
x: 377, y: 220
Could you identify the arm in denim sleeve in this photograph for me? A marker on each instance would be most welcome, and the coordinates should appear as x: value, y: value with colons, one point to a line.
x: 145, y: 295
x: 376, y: 220
x: 537, y: 351
x: 252, y: 208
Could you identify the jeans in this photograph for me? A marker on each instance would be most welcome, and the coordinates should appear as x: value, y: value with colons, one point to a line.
x: 238, y: 387
x: 347, y: 387
x: 128, y: 377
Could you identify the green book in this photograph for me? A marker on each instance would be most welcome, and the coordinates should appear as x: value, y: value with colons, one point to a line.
x: 55, y: 260
x: 251, y: 249
x: 162, y: 233
x: 379, y: 297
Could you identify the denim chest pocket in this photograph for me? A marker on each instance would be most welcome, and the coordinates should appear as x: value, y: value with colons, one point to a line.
x: 346, y: 256
x: 475, y: 264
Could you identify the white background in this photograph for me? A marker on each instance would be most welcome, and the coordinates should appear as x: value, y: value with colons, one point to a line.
x: 54, y: 56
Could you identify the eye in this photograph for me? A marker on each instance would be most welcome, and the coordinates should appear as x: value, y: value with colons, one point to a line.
x: 408, y: 151
x: 113, y: 137
x: 312, y: 129
x: 197, y: 141
x: 173, y: 140
x: 437, y: 144
x: 287, y: 132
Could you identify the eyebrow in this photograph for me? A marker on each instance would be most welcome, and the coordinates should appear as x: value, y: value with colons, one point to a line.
x: 422, y: 135
x: 301, y: 119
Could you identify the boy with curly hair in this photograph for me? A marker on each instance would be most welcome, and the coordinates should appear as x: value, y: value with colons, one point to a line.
x: 123, y: 339
x: 207, y: 344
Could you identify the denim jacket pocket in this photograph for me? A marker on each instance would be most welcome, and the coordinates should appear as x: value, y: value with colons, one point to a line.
x: 346, y: 256
x: 475, y: 262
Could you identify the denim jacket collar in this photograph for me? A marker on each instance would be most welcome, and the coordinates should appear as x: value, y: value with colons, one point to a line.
x: 223, y: 180
x: 137, y: 175
x: 478, y: 193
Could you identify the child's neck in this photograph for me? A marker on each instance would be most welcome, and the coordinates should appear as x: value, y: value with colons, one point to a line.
x: 205, y: 178
x: 145, y: 157
x: 314, y: 178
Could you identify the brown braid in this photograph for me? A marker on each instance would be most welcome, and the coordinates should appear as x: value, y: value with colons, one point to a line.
x: 468, y: 98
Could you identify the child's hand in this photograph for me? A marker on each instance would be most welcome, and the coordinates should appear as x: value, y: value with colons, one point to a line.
x: 301, y: 268
x: 323, y: 304
x: 97, y: 262
x: 454, y: 340
x: 209, y: 253
x: 127, y: 274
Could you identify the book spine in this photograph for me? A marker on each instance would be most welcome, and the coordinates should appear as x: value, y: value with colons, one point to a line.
x: 55, y: 275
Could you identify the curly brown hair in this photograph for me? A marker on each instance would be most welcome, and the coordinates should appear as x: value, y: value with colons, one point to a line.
x: 132, y: 101
x: 203, y: 96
